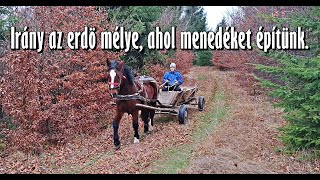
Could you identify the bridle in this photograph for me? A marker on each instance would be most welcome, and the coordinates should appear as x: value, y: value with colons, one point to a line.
x: 116, y: 85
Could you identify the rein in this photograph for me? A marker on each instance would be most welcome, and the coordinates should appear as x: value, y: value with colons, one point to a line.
x: 135, y: 96
x: 130, y: 96
x: 115, y: 84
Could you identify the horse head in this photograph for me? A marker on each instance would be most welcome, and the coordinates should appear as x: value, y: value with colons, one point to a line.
x: 115, y: 75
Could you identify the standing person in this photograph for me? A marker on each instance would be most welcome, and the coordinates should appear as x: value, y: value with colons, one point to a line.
x: 172, y: 78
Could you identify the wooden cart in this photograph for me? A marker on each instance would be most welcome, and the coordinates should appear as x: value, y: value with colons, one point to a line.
x: 178, y: 102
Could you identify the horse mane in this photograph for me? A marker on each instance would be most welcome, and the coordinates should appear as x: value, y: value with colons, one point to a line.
x: 128, y: 74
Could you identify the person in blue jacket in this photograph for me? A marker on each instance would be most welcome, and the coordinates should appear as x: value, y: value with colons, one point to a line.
x: 172, y: 78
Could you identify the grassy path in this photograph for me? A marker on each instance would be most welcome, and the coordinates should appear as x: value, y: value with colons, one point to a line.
x: 178, y: 158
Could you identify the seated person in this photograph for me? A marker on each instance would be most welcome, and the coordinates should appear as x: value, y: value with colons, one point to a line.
x: 173, y: 79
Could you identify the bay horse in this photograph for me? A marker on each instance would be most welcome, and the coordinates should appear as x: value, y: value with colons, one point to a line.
x: 127, y: 92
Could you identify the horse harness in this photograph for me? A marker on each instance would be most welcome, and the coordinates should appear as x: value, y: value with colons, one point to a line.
x: 137, y: 95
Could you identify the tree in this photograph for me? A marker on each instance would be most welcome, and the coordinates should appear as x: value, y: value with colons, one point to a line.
x: 203, y: 58
x: 7, y: 19
x: 55, y: 95
x: 249, y: 17
x: 195, y: 21
x: 144, y: 20
x: 139, y: 19
x: 194, y: 18
x: 222, y: 24
x: 298, y: 89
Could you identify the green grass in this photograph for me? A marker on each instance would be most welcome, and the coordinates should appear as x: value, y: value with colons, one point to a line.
x: 2, y: 146
x: 308, y: 155
x: 178, y: 158
x: 217, y: 111
x: 201, y: 77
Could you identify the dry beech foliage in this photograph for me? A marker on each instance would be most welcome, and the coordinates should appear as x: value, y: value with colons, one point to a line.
x: 56, y: 94
x: 240, y: 60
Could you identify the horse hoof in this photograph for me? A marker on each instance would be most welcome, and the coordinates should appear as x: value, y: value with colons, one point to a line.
x: 117, y: 147
x: 136, y: 140
x: 150, y: 125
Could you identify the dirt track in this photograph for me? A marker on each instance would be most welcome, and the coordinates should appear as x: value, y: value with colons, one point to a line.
x: 246, y: 139
x: 235, y: 134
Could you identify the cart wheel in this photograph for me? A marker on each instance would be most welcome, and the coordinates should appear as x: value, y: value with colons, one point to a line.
x: 183, y: 114
x: 201, y: 103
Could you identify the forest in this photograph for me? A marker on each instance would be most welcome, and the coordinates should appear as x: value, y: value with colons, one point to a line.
x: 56, y: 112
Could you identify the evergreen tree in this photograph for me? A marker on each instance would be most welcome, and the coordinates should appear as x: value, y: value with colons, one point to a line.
x: 222, y: 24
x: 203, y: 58
x: 7, y: 19
x: 138, y: 19
x: 144, y: 19
x: 299, y: 86
x: 195, y: 19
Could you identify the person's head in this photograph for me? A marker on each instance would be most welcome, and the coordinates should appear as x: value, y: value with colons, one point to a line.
x: 173, y: 67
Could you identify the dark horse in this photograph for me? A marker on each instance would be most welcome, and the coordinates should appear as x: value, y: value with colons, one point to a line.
x: 128, y: 91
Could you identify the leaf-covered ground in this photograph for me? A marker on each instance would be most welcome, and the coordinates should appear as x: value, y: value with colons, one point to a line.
x: 246, y: 140
x: 235, y: 134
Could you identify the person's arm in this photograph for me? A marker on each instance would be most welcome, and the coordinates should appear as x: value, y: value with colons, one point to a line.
x: 179, y: 79
x: 165, y: 78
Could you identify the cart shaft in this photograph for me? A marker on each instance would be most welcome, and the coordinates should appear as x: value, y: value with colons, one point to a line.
x: 156, y: 108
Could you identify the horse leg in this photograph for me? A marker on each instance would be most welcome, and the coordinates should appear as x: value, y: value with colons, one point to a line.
x: 145, y: 119
x: 135, y: 125
x: 115, y: 125
x: 151, y: 114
